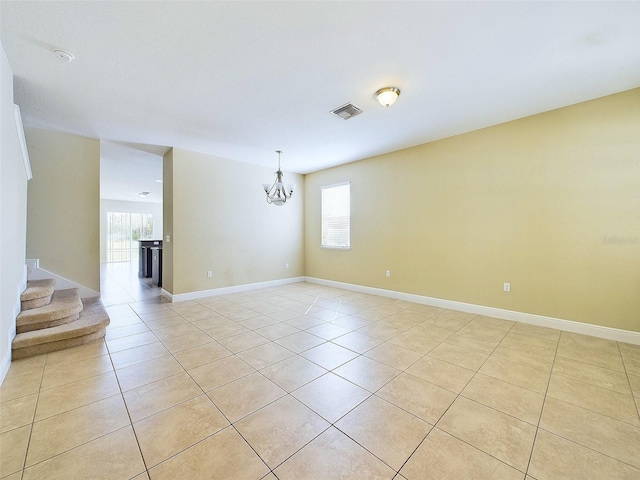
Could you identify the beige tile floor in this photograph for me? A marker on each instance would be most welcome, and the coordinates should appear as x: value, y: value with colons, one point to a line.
x: 309, y: 382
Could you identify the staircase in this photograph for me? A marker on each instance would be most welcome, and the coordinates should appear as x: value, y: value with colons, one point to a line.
x: 53, y: 320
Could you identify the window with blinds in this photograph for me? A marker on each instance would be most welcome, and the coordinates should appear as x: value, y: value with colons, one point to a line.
x: 336, y: 216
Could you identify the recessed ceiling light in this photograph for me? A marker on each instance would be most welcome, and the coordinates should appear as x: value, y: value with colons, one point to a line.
x: 144, y: 194
x: 64, y: 55
x: 159, y: 181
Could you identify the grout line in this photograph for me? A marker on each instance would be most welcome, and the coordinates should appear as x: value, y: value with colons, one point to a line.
x: 633, y: 396
x: 33, y: 419
x: 544, y: 401
x: 370, y: 394
x: 135, y: 435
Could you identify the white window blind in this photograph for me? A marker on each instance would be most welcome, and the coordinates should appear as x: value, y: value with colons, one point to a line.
x: 336, y: 216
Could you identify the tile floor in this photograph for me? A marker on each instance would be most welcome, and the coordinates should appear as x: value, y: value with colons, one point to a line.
x: 309, y: 382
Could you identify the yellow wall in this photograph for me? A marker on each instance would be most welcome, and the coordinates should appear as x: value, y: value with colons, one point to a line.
x: 220, y: 221
x: 63, y: 220
x: 549, y: 203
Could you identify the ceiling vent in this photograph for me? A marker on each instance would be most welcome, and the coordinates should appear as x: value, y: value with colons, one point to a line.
x: 346, y: 111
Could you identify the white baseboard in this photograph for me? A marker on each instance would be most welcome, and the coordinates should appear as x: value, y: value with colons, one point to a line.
x: 61, y: 282
x: 181, y: 297
x: 619, y: 335
x: 17, y: 305
x: 5, y: 363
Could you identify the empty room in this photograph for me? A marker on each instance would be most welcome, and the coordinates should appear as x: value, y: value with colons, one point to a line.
x: 320, y: 240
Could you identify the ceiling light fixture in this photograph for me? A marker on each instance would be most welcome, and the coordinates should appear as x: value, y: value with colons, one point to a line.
x: 276, y: 193
x: 387, y: 95
x: 64, y: 55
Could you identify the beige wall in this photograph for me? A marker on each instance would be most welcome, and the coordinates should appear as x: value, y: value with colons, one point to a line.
x: 549, y: 203
x: 13, y: 216
x: 221, y: 222
x: 167, y: 221
x: 63, y: 223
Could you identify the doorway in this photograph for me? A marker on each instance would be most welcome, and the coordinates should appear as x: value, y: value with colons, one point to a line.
x: 130, y: 212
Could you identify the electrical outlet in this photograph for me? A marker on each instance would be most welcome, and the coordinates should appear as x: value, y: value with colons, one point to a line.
x: 209, y: 274
x: 507, y: 287
x: 286, y: 265
x: 388, y: 273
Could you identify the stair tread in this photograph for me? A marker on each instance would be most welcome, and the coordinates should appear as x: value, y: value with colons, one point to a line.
x: 38, y: 289
x: 64, y: 303
x: 92, y: 318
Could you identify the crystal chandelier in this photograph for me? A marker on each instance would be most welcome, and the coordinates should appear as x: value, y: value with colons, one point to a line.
x: 277, y: 194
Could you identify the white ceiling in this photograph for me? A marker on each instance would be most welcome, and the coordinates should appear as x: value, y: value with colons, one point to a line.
x: 126, y: 170
x: 242, y: 79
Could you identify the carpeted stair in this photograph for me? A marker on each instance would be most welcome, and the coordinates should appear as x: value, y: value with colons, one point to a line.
x: 53, y: 320
x: 37, y: 294
x: 64, y: 307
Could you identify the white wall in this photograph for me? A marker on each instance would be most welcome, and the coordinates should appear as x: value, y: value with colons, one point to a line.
x: 154, y: 209
x: 13, y: 216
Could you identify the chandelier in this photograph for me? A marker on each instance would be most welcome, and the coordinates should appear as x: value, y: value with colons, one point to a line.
x: 277, y: 194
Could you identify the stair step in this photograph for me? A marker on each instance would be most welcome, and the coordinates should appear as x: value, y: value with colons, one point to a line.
x: 90, y: 326
x: 64, y: 307
x: 37, y: 294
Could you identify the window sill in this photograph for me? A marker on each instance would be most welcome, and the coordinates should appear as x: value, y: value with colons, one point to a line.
x: 330, y: 247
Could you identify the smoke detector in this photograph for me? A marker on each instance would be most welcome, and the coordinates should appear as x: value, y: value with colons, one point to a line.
x: 346, y: 111
x: 64, y: 55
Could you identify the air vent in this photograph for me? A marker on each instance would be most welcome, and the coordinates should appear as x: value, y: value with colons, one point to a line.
x: 346, y: 111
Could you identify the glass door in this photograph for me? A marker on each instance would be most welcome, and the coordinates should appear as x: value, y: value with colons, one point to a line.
x: 124, y: 229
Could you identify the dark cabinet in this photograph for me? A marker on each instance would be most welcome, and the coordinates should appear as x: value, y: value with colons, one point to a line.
x: 156, y: 269
x: 145, y: 257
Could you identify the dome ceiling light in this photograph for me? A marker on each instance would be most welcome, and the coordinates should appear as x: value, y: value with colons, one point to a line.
x: 387, y: 95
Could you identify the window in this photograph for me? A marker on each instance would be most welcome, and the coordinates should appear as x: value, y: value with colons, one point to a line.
x: 123, y: 232
x: 336, y: 216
